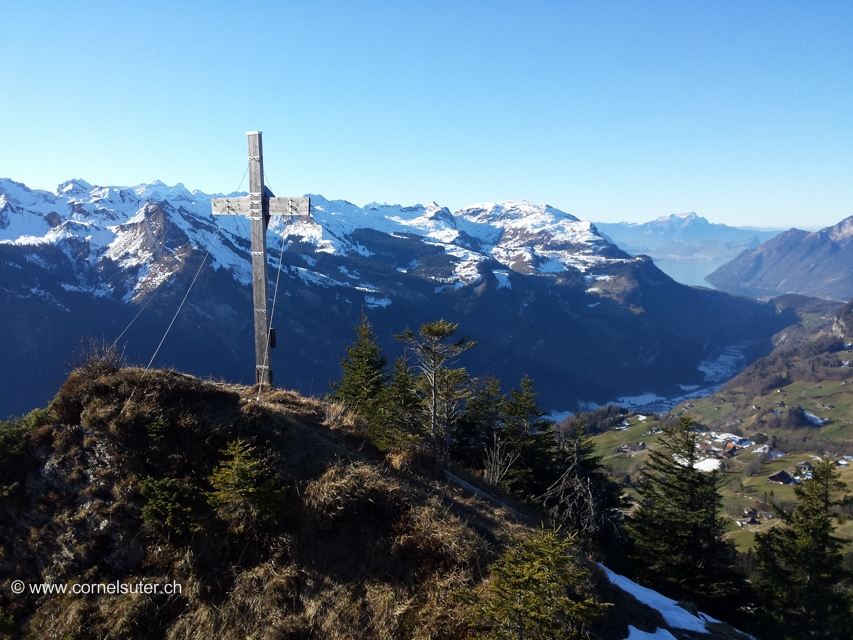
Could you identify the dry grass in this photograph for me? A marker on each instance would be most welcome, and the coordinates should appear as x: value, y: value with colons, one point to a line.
x: 352, y: 493
x: 407, y: 459
x: 260, y: 604
x: 337, y: 416
x: 439, y: 538
x: 367, y: 550
x: 440, y: 614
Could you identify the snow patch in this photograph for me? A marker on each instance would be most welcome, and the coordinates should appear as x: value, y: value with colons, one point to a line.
x: 630, y: 402
x: 312, y: 277
x: 559, y: 416
x: 659, y: 634
x: 815, y: 420
x: 724, y: 366
x: 708, y: 464
x: 373, y: 302
x: 503, y: 279
x: 674, y: 615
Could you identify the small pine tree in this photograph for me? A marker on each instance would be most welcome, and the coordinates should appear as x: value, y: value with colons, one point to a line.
x: 246, y: 493
x: 677, y: 529
x: 526, y: 433
x: 363, y: 373
x: 532, y: 593
x: 802, y: 580
x: 170, y: 505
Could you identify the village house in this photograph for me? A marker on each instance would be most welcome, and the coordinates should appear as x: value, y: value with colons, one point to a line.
x: 631, y: 447
x: 780, y: 477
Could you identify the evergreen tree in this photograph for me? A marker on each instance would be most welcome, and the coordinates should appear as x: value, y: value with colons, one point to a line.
x: 482, y: 421
x: 245, y: 491
x: 170, y: 505
x: 364, y: 376
x: 802, y: 580
x: 677, y: 530
x: 434, y: 354
x: 532, y: 593
x: 401, y: 411
x: 585, y: 498
x: 452, y: 394
x: 526, y: 433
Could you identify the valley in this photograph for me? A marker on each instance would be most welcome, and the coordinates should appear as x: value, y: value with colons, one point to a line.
x: 784, y: 410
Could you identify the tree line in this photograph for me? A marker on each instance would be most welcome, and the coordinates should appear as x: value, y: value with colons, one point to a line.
x: 796, y: 582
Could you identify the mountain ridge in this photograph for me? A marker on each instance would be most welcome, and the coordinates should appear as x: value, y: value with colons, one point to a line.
x: 543, y: 292
x: 818, y: 263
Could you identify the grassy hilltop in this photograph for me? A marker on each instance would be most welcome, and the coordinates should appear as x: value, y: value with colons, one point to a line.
x: 278, y: 518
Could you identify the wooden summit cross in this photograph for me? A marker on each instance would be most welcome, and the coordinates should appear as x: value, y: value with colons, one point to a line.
x: 259, y: 205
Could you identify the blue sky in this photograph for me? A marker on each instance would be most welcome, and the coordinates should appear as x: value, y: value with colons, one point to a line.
x: 741, y: 111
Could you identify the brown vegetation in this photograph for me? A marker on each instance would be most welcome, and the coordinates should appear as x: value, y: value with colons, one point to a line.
x: 361, y: 545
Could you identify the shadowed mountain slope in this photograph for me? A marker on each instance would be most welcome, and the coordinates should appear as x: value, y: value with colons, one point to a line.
x: 818, y: 264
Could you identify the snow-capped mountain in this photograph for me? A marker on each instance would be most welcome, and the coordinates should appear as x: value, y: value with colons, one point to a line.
x: 543, y: 292
x: 126, y: 226
x: 684, y: 235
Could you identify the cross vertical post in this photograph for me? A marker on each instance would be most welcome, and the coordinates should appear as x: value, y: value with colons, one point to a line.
x: 259, y: 216
x: 259, y: 206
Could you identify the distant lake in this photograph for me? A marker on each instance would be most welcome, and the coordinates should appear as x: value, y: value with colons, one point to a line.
x: 690, y: 272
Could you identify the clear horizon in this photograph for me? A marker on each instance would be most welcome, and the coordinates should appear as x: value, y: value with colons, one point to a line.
x: 742, y: 113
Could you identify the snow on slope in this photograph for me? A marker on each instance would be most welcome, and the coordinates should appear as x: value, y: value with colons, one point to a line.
x: 144, y: 227
x: 539, y: 237
x: 675, y: 616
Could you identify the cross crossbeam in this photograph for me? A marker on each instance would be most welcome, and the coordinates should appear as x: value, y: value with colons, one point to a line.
x: 258, y: 206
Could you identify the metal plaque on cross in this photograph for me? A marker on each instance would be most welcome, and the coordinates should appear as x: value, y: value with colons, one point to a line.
x: 259, y: 205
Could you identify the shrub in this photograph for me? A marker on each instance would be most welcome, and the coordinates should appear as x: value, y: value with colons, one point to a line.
x: 157, y: 428
x: 533, y: 592
x: 246, y: 492
x: 171, y: 505
x: 99, y: 359
x: 13, y: 447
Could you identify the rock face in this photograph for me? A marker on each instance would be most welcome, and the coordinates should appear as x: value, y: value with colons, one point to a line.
x: 818, y: 264
x: 842, y: 326
x: 543, y: 292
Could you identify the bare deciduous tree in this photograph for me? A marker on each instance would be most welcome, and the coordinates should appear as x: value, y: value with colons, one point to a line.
x: 497, y: 461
